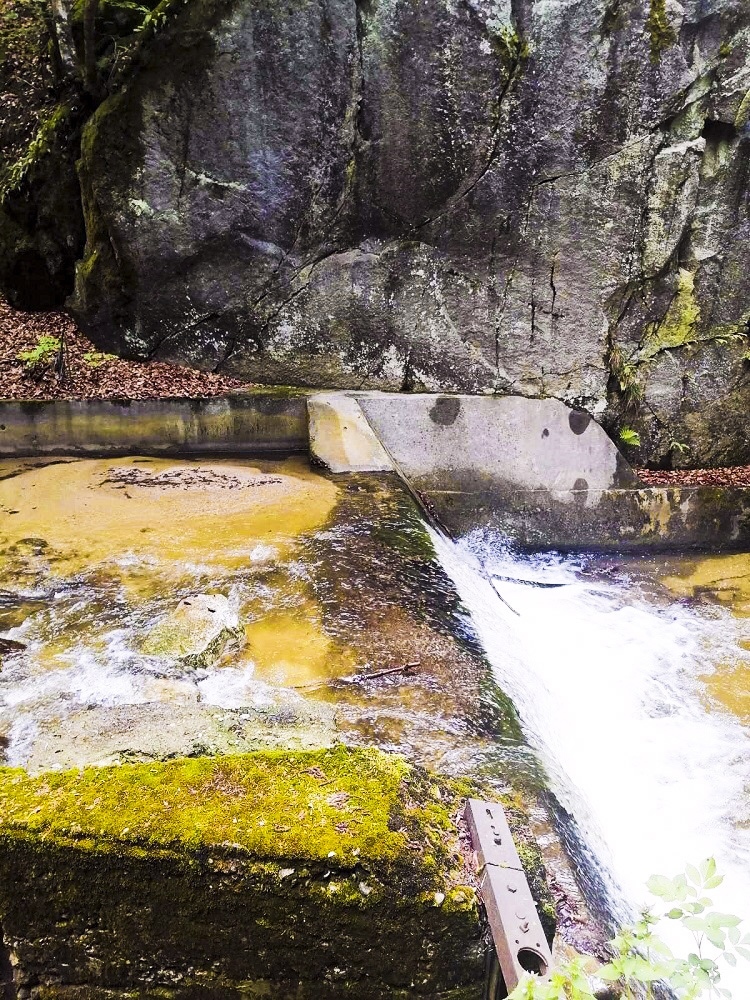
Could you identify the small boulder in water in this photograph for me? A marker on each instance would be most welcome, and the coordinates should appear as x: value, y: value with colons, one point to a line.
x: 199, y: 632
x: 11, y: 645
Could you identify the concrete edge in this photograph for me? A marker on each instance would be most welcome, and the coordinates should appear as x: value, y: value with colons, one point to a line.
x: 242, y: 424
x: 335, y: 430
x: 341, y: 438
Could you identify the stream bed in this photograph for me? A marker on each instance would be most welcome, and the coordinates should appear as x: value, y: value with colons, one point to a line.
x: 622, y: 685
x: 352, y: 630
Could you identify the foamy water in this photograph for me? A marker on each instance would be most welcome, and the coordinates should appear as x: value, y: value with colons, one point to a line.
x: 607, y: 687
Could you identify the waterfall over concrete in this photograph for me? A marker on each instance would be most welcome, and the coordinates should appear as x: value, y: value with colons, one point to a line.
x: 606, y: 682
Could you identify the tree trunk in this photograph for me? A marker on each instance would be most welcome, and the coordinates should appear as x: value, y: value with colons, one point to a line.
x: 89, y: 46
x: 63, y: 38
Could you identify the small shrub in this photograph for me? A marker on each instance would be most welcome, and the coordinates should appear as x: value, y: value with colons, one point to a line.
x: 42, y: 355
x: 95, y: 359
x: 640, y: 958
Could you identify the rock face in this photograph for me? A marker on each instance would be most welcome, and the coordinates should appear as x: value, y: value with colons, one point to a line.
x: 519, y: 196
x: 199, y: 631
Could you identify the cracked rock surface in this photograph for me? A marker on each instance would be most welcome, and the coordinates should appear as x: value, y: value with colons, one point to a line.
x: 525, y: 196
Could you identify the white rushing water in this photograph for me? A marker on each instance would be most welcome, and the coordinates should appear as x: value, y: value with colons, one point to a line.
x: 607, y: 686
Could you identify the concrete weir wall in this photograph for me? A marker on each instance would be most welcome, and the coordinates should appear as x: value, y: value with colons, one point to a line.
x: 254, y: 423
x: 543, y: 474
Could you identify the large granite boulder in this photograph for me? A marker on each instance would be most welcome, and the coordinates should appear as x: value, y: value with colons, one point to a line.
x: 520, y: 196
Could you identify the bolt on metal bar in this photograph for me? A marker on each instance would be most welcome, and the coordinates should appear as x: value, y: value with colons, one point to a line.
x: 512, y: 916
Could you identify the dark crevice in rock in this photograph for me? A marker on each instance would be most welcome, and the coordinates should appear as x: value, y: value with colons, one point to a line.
x: 498, y: 309
x: 553, y: 314
x: 716, y: 132
x: 407, y: 385
x: 361, y: 125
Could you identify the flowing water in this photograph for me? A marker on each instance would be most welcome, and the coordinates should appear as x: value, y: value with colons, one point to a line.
x: 331, y: 583
x: 631, y: 681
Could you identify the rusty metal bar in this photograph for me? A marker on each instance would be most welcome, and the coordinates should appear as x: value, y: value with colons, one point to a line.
x: 512, y: 916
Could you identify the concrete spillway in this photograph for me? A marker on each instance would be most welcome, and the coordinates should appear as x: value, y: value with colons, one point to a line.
x: 539, y: 472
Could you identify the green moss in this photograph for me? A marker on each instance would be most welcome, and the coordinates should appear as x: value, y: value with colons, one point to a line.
x: 743, y: 112
x: 307, y: 806
x: 13, y: 175
x: 659, y: 29
x: 680, y: 324
x: 510, y: 47
x: 271, y: 874
x: 402, y: 529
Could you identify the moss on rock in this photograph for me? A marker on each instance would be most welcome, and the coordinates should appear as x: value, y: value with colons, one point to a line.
x: 680, y: 324
x: 13, y: 174
x: 243, y: 803
x: 331, y: 873
x: 660, y: 31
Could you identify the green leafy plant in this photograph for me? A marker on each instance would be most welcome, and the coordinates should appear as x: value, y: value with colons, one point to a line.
x: 640, y: 958
x: 626, y: 373
x: 95, y: 359
x: 630, y: 437
x: 43, y: 354
x: 679, y: 446
x: 569, y: 982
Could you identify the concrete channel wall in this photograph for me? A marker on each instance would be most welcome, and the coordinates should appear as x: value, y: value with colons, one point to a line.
x: 545, y: 475
x: 541, y: 473
x: 254, y: 424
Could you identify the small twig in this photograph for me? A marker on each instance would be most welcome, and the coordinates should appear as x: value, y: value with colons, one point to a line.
x: 383, y: 673
x: 335, y: 682
x: 492, y: 584
x: 526, y: 583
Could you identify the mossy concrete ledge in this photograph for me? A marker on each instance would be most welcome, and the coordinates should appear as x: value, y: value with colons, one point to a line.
x: 247, y: 423
x: 324, y: 874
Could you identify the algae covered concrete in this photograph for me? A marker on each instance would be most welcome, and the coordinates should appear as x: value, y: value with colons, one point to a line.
x: 89, y: 512
x: 701, y: 518
x: 722, y: 580
x: 332, y: 580
x: 108, y: 549
x: 328, y: 874
x: 254, y: 422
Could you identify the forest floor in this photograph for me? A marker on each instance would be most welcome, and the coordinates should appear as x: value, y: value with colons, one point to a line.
x: 90, y: 374
x: 732, y: 475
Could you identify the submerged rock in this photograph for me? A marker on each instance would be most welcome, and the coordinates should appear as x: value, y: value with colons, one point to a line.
x: 199, y: 632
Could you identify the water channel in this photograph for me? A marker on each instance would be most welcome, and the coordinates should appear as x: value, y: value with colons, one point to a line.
x: 620, y: 684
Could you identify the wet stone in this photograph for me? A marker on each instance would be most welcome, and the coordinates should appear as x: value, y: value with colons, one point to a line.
x: 200, y: 632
